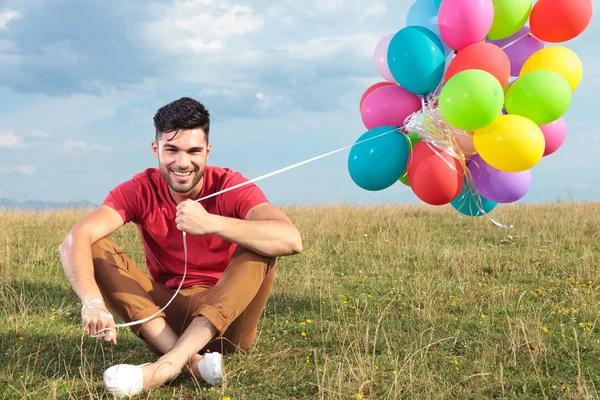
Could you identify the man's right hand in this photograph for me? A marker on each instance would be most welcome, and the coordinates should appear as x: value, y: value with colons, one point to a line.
x: 98, y: 322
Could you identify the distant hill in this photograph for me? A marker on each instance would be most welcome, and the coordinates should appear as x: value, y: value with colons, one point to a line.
x: 37, y: 205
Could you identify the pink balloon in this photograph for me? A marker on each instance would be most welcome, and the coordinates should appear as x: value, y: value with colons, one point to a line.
x: 380, y: 58
x: 465, y: 22
x: 555, y: 133
x: 465, y: 142
x: 389, y: 106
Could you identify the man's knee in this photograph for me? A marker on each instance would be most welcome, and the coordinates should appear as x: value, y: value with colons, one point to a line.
x: 242, y: 254
x: 102, y: 247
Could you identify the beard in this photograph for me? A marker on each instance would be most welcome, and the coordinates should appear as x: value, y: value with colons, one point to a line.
x: 180, y: 187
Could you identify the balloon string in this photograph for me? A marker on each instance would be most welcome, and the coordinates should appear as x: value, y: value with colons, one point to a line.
x: 516, y: 40
x: 132, y: 323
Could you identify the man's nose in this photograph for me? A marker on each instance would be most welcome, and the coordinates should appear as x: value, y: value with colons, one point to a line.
x: 183, y: 160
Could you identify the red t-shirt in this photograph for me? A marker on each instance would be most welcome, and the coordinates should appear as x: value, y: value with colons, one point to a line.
x: 145, y: 200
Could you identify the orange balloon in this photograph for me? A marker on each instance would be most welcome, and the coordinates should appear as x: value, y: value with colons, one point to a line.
x: 371, y: 89
x: 557, y: 21
x: 484, y: 56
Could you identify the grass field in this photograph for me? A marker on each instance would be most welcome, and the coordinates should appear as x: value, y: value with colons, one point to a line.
x: 384, y: 303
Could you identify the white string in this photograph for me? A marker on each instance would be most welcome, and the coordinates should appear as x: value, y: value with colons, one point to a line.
x: 132, y: 323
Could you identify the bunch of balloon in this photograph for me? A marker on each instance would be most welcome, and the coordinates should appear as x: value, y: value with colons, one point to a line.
x: 474, y: 94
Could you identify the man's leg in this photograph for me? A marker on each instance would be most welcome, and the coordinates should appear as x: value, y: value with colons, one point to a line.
x: 131, y: 295
x: 244, y: 287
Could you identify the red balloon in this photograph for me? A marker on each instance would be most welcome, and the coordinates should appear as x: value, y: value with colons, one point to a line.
x: 371, y: 88
x: 557, y: 21
x: 431, y: 176
x: 484, y: 56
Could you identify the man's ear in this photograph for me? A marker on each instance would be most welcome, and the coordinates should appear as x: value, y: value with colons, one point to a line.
x: 154, y: 148
x: 208, y: 149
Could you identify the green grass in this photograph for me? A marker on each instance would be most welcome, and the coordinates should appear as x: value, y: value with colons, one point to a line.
x: 384, y: 303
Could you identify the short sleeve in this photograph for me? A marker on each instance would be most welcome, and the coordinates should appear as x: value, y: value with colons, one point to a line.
x: 239, y: 201
x: 126, y: 199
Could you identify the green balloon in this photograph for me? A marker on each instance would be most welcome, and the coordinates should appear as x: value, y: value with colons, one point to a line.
x: 413, y: 138
x: 471, y: 99
x: 509, y: 17
x: 542, y: 96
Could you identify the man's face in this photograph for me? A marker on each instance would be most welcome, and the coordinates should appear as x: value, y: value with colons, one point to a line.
x: 182, y: 160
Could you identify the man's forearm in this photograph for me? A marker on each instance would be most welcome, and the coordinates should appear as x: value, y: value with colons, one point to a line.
x: 76, y: 258
x: 270, y: 238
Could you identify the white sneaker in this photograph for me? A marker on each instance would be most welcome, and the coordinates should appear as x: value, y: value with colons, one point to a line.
x: 211, y: 368
x: 124, y: 379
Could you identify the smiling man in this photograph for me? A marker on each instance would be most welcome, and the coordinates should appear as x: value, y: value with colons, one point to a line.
x: 233, y: 240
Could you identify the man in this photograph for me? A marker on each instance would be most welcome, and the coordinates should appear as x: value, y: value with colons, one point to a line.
x: 233, y: 240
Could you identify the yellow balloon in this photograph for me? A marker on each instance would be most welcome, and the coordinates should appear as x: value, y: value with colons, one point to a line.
x: 558, y: 59
x: 511, y: 143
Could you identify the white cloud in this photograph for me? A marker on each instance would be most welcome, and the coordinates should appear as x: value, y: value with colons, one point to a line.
x: 201, y: 25
x: 39, y: 134
x: 7, y: 16
x: 84, y: 146
x: 374, y: 10
x: 8, y: 140
x: 17, y: 169
x: 325, y: 47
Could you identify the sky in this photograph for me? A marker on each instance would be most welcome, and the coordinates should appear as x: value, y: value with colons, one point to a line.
x: 81, y: 81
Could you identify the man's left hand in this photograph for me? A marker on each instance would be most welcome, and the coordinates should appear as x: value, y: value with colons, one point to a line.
x: 194, y: 219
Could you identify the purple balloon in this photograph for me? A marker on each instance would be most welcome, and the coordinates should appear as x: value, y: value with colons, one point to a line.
x: 519, y: 51
x: 496, y: 185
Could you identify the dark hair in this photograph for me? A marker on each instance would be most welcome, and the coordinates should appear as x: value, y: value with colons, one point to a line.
x: 185, y: 113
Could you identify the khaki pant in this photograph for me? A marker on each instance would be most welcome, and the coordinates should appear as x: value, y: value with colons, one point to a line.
x: 234, y: 305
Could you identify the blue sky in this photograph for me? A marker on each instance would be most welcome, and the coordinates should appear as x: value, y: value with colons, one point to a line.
x: 81, y: 81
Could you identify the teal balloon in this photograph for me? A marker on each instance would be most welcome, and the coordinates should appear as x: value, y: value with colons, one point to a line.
x: 437, y: 3
x: 378, y: 163
x: 416, y: 59
x: 471, y: 203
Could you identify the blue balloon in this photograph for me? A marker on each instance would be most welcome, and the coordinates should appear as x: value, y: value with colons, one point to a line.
x: 425, y: 13
x: 416, y: 59
x: 378, y: 163
x: 471, y: 203
x: 422, y: 13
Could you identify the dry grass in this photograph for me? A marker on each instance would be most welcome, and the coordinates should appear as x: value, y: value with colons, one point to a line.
x: 384, y: 303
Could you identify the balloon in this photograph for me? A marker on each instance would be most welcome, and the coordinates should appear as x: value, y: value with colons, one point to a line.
x: 416, y: 59
x: 465, y: 22
x: 421, y: 12
x: 471, y: 203
x: 509, y: 17
x: 511, y: 143
x: 498, y: 186
x: 413, y: 138
x: 542, y: 96
x: 424, y: 13
x: 389, y: 106
x: 465, y: 142
x: 519, y: 47
x: 434, y: 175
x: 372, y: 88
x: 471, y: 99
x: 437, y: 3
x: 377, y: 164
x: 484, y: 56
x: 557, y: 21
x: 554, y: 134
x: 558, y: 59
x: 380, y: 58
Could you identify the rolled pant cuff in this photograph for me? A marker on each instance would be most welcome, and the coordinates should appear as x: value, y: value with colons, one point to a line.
x: 144, y: 314
x: 213, y: 316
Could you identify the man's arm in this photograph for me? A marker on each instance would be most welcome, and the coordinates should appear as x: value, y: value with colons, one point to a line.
x: 76, y: 253
x: 266, y: 229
